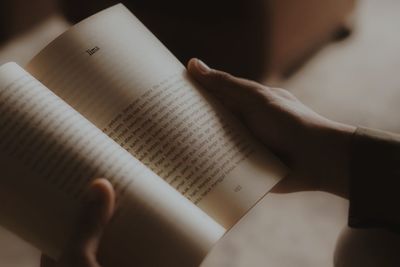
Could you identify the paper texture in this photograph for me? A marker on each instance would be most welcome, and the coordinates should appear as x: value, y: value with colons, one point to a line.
x: 112, y: 70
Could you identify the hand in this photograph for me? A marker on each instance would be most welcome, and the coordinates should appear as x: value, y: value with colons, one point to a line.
x: 83, y: 249
x: 315, y: 148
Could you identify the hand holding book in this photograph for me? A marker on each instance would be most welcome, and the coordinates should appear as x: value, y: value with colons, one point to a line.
x: 252, y: 103
x: 292, y: 130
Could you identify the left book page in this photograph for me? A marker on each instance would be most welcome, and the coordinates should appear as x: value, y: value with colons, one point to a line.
x: 49, y: 153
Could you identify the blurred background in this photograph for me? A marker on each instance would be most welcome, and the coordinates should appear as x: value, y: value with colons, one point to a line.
x: 248, y: 38
x: 338, y: 56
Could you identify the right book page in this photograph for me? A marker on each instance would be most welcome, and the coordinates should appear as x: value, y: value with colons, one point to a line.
x: 118, y: 75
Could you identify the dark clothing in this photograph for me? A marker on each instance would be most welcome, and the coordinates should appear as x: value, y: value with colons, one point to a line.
x: 375, y: 180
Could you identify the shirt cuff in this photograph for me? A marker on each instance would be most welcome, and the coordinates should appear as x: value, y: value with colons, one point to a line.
x: 374, y: 186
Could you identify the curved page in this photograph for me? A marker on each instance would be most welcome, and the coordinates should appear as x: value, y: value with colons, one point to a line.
x: 49, y: 153
x: 118, y: 75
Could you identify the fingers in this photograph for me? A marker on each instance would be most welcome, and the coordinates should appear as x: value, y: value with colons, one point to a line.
x: 236, y: 93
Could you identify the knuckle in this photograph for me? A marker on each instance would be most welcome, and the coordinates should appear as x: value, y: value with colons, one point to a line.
x: 284, y: 93
x: 259, y: 91
x: 222, y: 77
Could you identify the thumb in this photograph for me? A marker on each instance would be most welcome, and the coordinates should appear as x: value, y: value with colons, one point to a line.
x: 96, y: 215
x: 93, y: 220
x: 233, y: 92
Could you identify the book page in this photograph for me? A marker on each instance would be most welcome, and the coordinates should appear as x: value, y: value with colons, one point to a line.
x: 118, y: 75
x: 49, y: 153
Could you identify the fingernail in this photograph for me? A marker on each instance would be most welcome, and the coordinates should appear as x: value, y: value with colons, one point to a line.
x: 203, y: 68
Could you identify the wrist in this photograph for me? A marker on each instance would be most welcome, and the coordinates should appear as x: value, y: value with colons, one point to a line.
x: 335, y: 179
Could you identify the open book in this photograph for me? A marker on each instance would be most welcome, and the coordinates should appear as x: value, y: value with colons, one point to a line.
x: 107, y: 99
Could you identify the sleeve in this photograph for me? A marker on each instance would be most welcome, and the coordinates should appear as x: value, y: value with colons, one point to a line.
x: 374, y: 186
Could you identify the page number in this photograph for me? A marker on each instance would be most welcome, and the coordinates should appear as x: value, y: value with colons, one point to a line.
x: 237, y: 188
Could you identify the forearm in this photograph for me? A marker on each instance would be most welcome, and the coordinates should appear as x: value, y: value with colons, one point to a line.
x: 335, y: 161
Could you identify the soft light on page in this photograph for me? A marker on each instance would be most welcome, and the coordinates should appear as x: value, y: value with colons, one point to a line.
x: 118, y: 75
x: 51, y: 153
